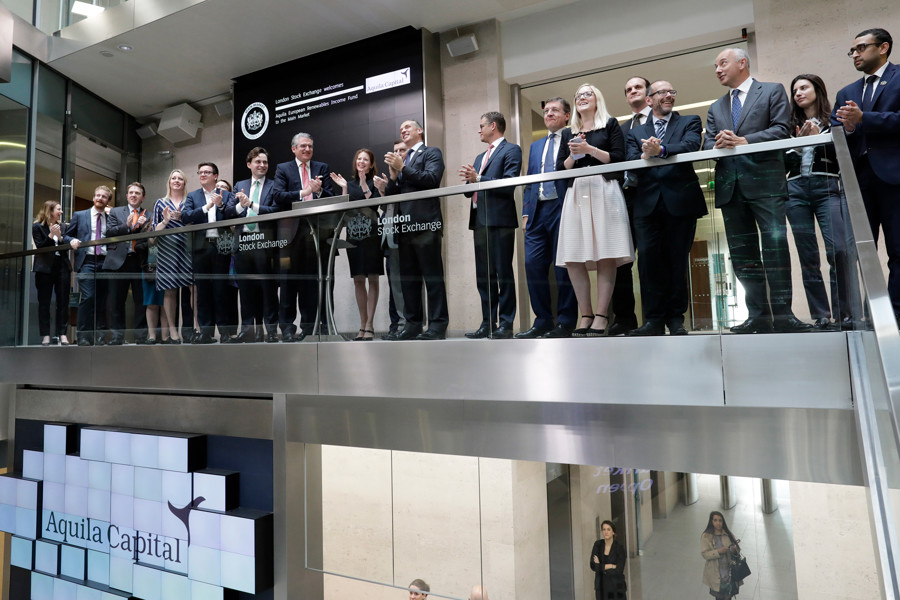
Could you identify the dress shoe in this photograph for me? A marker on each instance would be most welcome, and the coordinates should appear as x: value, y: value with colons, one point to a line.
x: 825, y: 324
x: 172, y: 341
x: 847, y: 324
x: 621, y: 328
x: 84, y: 342
x: 287, y: 337
x: 530, y: 334
x: 227, y: 339
x: 432, y: 334
x: 300, y: 335
x: 272, y: 338
x: 502, y: 333
x: 676, y: 327
x: 248, y: 336
x: 753, y: 325
x: 791, y: 324
x: 203, y: 338
x: 648, y: 328
x: 115, y: 342
x: 560, y: 331
x: 148, y: 341
x: 408, y: 333
x: 481, y: 333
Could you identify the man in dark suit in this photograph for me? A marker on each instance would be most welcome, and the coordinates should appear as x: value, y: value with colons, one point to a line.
x: 420, y: 226
x: 123, y: 265
x: 623, y: 292
x: 207, y: 205
x: 88, y: 225
x: 869, y: 110
x: 297, y: 180
x: 253, y: 252
x: 667, y: 203
x: 493, y: 221
x: 541, y: 209
x: 392, y: 255
x: 751, y: 190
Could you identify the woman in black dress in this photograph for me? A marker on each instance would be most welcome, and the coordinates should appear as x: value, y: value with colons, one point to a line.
x: 608, y: 563
x: 366, y: 258
x: 52, y: 271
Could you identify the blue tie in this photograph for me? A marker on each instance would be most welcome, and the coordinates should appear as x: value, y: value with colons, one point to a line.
x: 735, y: 109
x: 869, y: 94
x: 549, y: 167
x: 660, y: 128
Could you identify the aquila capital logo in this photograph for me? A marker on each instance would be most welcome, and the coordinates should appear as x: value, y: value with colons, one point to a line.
x: 105, y: 513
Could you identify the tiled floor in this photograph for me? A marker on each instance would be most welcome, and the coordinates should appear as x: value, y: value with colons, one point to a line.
x: 671, y: 566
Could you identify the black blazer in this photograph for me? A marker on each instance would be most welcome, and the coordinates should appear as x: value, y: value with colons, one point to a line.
x: 192, y: 213
x: 610, y: 138
x: 80, y: 227
x: 497, y: 208
x: 424, y: 172
x: 618, y: 555
x: 43, y: 263
x: 676, y: 185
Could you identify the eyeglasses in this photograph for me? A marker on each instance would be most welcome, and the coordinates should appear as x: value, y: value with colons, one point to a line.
x: 205, y: 173
x: 483, y: 125
x: 586, y: 94
x: 672, y: 93
x: 551, y: 111
x: 860, y: 48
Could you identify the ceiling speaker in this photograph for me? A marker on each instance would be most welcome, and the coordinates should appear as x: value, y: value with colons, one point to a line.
x: 462, y: 45
x: 147, y: 131
x: 224, y: 108
x: 179, y: 123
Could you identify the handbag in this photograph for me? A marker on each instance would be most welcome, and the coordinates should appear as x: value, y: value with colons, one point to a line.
x: 739, y: 568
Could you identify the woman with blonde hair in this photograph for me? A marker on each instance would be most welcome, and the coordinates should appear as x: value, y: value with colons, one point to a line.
x: 594, y: 233
x: 173, y: 266
x: 52, y: 271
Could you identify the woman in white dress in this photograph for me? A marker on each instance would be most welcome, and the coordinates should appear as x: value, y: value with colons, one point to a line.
x: 594, y: 232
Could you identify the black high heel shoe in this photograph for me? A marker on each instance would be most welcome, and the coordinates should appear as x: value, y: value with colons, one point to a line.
x: 583, y: 331
x: 591, y: 332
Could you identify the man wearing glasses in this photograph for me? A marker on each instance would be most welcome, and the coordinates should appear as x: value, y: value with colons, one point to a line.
x: 869, y: 110
x: 667, y: 204
x: 207, y: 205
x: 751, y: 190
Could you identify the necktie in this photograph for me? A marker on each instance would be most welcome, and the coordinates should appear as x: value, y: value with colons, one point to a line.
x: 635, y: 121
x: 549, y: 165
x: 254, y: 199
x: 480, y: 171
x: 660, y: 128
x: 869, y: 94
x: 735, y: 108
x: 407, y: 158
x: 97, y: 236
x: 132, y: 225
x: 304, y: 179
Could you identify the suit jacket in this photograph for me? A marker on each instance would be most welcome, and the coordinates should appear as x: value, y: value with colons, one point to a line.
x: 497, y: 208
x: 676, y: 185
x: 266, y: 202
x: 40, y: 235
x: 878, y: 135
x: 80, y: 227
x: 531, y: 194
x: 116, y: 225
x: 765, y: 115
x: 192, y: 213
x: 618, y: 555
x: 424, y: 172
x: 287, y: 191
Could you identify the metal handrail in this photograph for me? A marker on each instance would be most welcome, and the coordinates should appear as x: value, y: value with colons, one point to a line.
x: 340, y: 203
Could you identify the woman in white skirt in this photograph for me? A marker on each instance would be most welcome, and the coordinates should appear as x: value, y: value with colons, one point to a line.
x: 594, y: 233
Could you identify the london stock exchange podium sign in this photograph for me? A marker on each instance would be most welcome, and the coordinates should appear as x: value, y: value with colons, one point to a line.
x: 105, y: 513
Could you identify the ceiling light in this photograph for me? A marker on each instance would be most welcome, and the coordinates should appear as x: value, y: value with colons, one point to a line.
x: 86, y: 10
x: 106, y: 53
x: 125, y: 48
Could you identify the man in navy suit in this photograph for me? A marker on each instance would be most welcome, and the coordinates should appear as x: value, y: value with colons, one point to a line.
x: 751, y: 190
x: 541, y: 209
x: 493, y: 220
x: 420, y: 227
x: 207, y: 205
x: 125, y: 265
x: 667, y: 203
x: 869, y: 110
x: 253, y: 254
x: 297, y: 180
x: 87, y: 225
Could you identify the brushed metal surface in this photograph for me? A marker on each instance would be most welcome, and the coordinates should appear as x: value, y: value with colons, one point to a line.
x: 799, y: 444
x: 230, y: 369
x: 659, y: 370
x: 786, y: 370
x: 239, y: 417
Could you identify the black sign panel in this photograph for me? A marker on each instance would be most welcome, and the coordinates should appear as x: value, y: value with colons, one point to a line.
x: 347, y: 98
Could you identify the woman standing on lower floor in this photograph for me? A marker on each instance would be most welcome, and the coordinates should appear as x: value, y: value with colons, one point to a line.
x: 718, y: 546
x: 607, y: 561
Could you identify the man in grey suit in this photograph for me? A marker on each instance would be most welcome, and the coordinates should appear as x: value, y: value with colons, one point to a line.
x: 751, y: 191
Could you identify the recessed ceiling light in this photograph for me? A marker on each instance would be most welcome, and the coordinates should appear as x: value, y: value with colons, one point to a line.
x: 125, y: 48
x: 106, y: 53
x: 85, y: 9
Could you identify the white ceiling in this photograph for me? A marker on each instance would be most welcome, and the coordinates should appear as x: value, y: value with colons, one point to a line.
x: 193, y: 54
